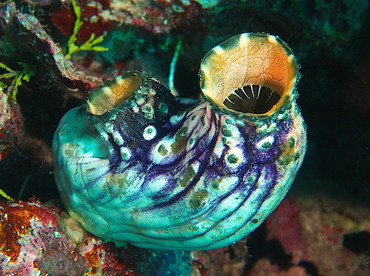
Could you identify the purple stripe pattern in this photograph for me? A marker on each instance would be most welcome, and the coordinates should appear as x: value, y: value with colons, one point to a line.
x: 170, y: 173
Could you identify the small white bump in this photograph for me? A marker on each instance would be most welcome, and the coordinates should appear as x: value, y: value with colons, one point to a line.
x: 148, y: 111
x: 113, y: 116
x: 119, y: 80
x: 125, y: 153
x: 219, y: 147
x: 205, y: 71
x: 291, y: 58
x: 218, y: 50
x: 272, y: 39
x: 107, y: 90
x: 104, y: 136
x: 272, y: 128
x: 117, y: 138
x: 108, y: 127
x: 135, y: 108
x: 149, y: 133
x: 244, y: 41
x: 140, y: 101
x: 152, y: 92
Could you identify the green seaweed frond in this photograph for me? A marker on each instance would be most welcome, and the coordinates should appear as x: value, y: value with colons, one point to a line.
x: 18, y: 76
x: 89, y: 45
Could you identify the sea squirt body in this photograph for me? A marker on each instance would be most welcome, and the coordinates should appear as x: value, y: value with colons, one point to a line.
x: 162, y: 172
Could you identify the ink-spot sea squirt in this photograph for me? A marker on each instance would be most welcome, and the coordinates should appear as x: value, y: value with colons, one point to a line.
x: 138, y: 165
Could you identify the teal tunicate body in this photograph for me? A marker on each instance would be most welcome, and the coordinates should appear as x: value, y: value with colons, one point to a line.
x: 169, y: 173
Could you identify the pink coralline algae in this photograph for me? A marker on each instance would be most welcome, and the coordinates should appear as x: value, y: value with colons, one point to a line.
x: 161, y: 17
x: 99, y: 17
x: 10, y: 124
x: 291, y: 237
x: 311, y: 231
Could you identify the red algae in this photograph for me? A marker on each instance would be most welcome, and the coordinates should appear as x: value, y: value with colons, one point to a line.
x: 63, y: 18
x: 32, y: 241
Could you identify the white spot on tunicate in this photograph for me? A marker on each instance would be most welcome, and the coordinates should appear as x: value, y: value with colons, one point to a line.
x: 113, y: 116
x: 272, y: 128
x: 161, y: 151
x: 234, y: 157
x: 156, y: 184
x: 265, y: 142
x: 148, y: 111
x: 140, y: 101
x: 244, y: 41
x: 195, y: 166
x: 272, y: 39
x: 117, y: 138
x: 218, y: 49
x: 107, y: 90
x: 231, y: 136
x: 185, y: 2
x: 104, y: 136
x: 135, y: 109
x: 108, y: 127
x: 291, y: 58
x: 219, y: 147
x: 152, y: 92
x: 125, y: 153
x: 119, y: 79
x: 229, y: 120
x: 262, y: 128
x: 149, y: 133
x: 231, y: 131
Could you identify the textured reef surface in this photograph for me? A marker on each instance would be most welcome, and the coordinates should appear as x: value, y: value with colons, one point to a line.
x: 53, y: 54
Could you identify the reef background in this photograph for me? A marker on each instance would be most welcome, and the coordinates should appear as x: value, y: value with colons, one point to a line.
x: 323, y: 226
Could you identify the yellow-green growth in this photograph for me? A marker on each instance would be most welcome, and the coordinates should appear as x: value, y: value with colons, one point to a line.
x: 89, y: 45
x: 3, y: 194
x: 18, y: 76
